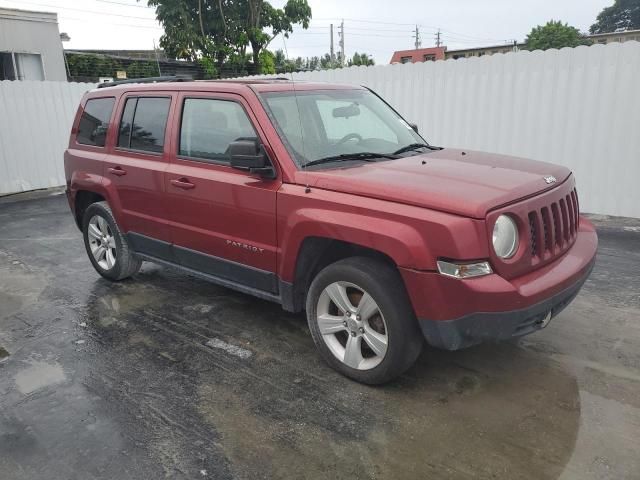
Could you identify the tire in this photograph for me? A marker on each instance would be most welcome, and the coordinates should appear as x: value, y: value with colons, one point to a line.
x: 116, y: 262
x: 390, y: 317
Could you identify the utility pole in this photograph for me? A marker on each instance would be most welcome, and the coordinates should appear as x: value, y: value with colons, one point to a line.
x: 438, y: 42
x: 341, y: 42
x: 157, y: 60
x: 332, y: 54
x: 417, y: 43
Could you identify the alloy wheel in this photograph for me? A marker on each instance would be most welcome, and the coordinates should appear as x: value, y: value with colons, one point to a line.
x: 352, y: 325
x: 102, y: 242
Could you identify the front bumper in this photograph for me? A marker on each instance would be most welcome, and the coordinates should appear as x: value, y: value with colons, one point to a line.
x: 456, y: 313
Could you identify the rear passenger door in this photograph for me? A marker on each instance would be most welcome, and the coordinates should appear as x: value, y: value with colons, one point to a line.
x: 135, y: 168
x: 223, y: 220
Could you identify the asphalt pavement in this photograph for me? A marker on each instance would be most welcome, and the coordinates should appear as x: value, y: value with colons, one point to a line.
x: 168, y: 376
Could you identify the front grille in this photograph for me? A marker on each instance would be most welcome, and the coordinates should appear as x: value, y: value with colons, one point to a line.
x: 553, y: 228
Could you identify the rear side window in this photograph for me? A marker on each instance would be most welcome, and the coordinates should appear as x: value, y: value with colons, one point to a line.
x: 94, y: 122
x: 209, y: 126
x: 143, y: 124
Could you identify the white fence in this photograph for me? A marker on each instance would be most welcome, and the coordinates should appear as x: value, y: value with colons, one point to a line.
x: 35, y: 121
x: 578, y: 107
x: 575, y: 107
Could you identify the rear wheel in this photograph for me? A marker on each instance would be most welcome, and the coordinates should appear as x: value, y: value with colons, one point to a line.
x: 361, y: 320
x: 106, y: 247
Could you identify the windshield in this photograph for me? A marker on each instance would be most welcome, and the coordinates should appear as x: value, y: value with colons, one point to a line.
x: 328, y: 123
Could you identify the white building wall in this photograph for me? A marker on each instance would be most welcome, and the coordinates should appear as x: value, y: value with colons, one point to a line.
x: 23, y: 31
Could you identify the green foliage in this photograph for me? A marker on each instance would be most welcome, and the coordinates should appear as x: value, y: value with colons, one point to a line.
x: 326, y: 63
x: 282, y: 65
x: 267, y: 62
x: 208, y: 67
x: 554, y: 34
x: 623, y: 14
x: 142, y: 70
x: 93, y: 66
x: 361, y: 59
x: 224, y: 29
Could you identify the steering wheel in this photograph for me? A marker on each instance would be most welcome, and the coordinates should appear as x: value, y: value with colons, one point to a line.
x: 348, y: 137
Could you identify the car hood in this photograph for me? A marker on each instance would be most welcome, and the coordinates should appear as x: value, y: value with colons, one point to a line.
x: 465, y: 183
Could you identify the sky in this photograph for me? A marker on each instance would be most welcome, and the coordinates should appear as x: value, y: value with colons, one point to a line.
x: 377, y: 27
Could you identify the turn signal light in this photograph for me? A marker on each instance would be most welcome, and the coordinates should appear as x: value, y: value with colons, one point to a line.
x: 464, y: 270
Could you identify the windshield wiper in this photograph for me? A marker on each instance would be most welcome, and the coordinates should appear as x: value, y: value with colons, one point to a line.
x: 345, y: 157
x: 414, y: 146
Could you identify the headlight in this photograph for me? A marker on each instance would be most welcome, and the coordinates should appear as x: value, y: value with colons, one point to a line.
x: 505, y: 237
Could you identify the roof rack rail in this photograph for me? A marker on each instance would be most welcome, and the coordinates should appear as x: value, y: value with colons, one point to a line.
x: 172, y: 78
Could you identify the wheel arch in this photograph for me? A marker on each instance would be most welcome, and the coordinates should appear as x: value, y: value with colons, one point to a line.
x: 314, y: 254
x: 85, y: 189
x: 83, y: 199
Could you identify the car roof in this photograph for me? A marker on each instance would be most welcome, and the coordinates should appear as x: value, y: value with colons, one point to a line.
x: 228, y: 86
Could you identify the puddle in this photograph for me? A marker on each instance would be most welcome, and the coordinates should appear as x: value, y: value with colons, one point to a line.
x: 10, y: 304
x: 39, y: 375
x: 469, y: 415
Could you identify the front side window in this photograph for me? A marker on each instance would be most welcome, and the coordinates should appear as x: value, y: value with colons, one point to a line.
x: 209, y: 126
x: 318, y: 124
x: 94, y: 122
x: 143, y: 124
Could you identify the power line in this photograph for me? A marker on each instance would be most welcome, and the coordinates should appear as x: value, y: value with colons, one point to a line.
x: 367, y: 21
x: 67, y: 18
x: 366, y: 29
x: 124, y: 4
x: 81, y: 10
x: 423, y: 26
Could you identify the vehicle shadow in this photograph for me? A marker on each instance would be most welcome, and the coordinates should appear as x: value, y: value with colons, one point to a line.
x: 277, y: 411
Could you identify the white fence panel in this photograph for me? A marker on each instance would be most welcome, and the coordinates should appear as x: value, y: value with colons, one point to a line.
x: 35, y: 121
x: 578, y: 107
x: 575, y: 107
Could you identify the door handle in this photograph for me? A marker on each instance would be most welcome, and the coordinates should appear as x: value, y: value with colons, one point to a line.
x: 119, y: 171
x: 183, y: 183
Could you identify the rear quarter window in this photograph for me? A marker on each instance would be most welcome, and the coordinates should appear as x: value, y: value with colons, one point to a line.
x: 94, y: 122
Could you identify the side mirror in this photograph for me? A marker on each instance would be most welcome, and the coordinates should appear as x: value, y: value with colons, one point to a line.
x: 249, y: 155
x: 414, y: 127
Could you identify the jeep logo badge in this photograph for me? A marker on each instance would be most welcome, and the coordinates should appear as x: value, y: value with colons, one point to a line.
x: 549, y: 179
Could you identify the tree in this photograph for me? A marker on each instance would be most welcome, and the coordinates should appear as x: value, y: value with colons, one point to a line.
x: 208, y: 68
x: 555, y: 35
x: 361, y: 59
x: 623, y: 14
x: 267, y: 62
x: 261, y: 16
x: 220, y: 29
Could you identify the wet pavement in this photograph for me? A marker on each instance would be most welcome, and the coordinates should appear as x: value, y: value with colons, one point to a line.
x: 167, y: 376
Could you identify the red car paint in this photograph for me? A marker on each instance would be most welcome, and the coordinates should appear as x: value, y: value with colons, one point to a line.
x: 414, y: 210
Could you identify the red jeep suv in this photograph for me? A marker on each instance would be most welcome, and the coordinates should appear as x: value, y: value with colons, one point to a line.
x: 323, y: 198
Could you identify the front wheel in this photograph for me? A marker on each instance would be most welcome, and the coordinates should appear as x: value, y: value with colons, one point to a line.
x: 361, y: 320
